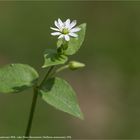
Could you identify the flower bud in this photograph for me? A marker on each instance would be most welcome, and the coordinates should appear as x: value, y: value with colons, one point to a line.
x: 73, y: 65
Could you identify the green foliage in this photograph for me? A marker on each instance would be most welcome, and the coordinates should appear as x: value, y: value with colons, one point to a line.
x: 52, y: 58
x: 58, y: 93
x: 17, y: 77
x: 75, y: 43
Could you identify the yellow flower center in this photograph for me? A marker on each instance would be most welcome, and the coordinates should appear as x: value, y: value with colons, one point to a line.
x: 65, y: 31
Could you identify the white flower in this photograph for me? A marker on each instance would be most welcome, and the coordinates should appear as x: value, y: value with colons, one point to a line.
x: 65, y: 29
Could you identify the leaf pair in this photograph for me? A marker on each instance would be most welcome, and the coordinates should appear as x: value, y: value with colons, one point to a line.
x: 15, y: 78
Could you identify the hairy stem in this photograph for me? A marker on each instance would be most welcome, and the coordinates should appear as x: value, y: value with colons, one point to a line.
x: 34, y: 100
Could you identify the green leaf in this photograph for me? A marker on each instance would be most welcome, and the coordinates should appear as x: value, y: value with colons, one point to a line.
x: 53, y: 58
x: 75, y: 43
x: 58, y: 93
x: 17, y: 77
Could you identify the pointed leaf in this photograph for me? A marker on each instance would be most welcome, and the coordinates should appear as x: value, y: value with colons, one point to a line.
x: 53, y: 58
x: 75, y: 43
x: 58, y: 93
x: 17, y: 77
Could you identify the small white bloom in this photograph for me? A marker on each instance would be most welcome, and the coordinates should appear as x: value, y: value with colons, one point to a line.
x: 65, y: 29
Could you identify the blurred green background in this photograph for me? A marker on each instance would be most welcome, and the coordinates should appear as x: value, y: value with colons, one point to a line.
x: 108, y: 89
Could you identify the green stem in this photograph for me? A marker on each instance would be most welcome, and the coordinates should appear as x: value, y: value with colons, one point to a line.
x: 46, y: 76
x: 60, y: 69
x: 34, y: 100
x: 28, y: 129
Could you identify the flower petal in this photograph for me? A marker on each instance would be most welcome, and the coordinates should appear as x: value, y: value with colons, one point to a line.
x: 61, y: 24
x: 56, y: 24
x: 75, y: 29
x: 67, y: 38
x: 61, y: 36
x: 73, y: 23
x: 73, y: 34
x: 55, y: 33
x: 67, y: 23
x: 55, y: 29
